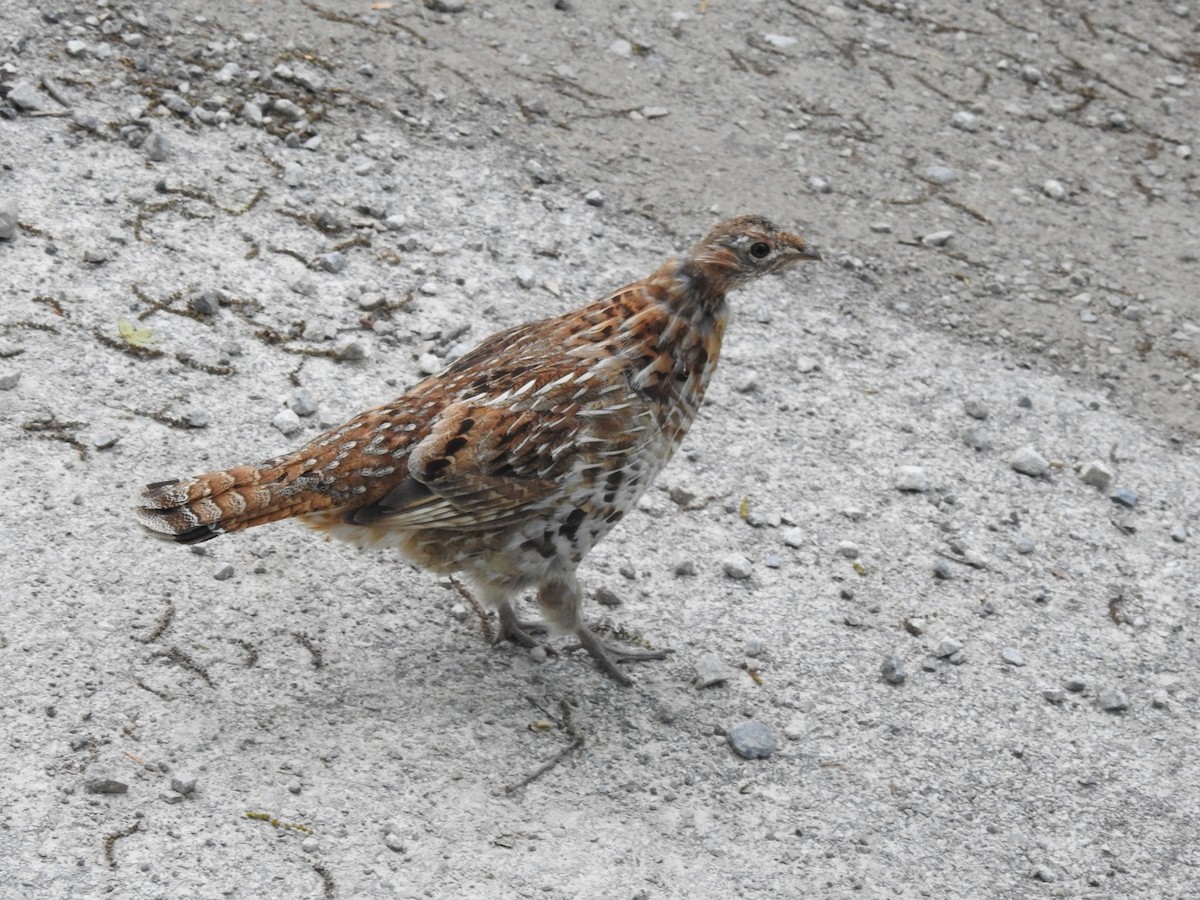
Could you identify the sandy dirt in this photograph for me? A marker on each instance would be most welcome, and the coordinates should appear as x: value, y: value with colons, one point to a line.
x: 225, y: 215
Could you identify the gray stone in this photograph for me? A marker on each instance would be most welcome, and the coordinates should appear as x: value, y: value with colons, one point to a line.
x: 977, y: 438
x: 1012, y: 656
x: 158, y: 148
x: 820, y: 185
x: 394, y: 842
x: 302, y: 403
x: 183, y: 783
x: 771, y: 561
x: 9, y: 381
x: 1179, y: 533
x: 1098, y: 474
x: 1112, y: 700
x: 286, y: 421
x: 939, y: 174
x: 975, y: 409
x: 892, y: 669
x: 334, y: 261
x: 655, y: 112
x: 942, y: 570
x: 8, y: 219
x: 352, y: 350
x: 24, y: 95
x: 207, y: 303
x: 1043, y: 872
x: 197, y: 418
x: 1026, y: 544
x: 593, y: 198
x: 606, y: 596
x: 737, y: 566
x: 755, y: 647
x: 310, y: 844
x: 447, y: 6
x: 429, y: 363
x: 752, y: 740
x: 1125, y: 496
x: 711, y: 670
x: 1160, y: 699
x: 848, y: 549
x: 964, y: 120
x: 223, y: 572
x: 1075, y: 684
x: 1054, y: 189
x: 1029, y: 462
x: 947, y: 647
x: 685, y: 567
x: 76, y: 48
x: 104, y: 783
x: 793, y: 537
x: 1054, y: 695
x: 105, y: 439
x: 937, y: 238
x: 525, y: 277
x: 911, y: 478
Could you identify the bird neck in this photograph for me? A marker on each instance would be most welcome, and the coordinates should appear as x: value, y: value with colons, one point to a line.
x: 693, y: 293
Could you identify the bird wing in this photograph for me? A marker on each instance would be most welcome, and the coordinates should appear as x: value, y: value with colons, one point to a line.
x: 489, y: 458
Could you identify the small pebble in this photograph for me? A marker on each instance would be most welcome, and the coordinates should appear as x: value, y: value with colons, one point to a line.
x: 947, y: 647
x: 911, y: 478
x: 8, y: 219
x: 1075, y: 684
x: 685, y: 567
x: 12, y: 379
x: 1012, y: 656
x: 1043, y: 872
x: 525, y: 277
x: 352, y: 350
x: 286, y: 421
x: 1125, y: 496
x: 793, y: 537
x: 752, y: 740
x: 1054, y: 189
x: 1179, y: 533
x: 157, y: 147
x: 1054, y: 695
x: 593, y: 198
x: 975, y: 409
x: 24, y: 95
x: 965, y: 121
x: 820, y: 185
x: 940, y: 174
x: 393, y: 842
x: 711, y: 670
x: 538, y: 654
x: 1028, y: 461
x: 105, y: 439
x: 755, y: 647
x: 1160, y: 699
x: 447, y: 6
x: 976, y: 438
x: 606, y: 596
x: 937, y: 238
x: 223, y: 573
x: 1112, y: 700
x: 76, y: 48
x: 429, y: 363
x: 942, y: 570
x: 197, y: 418
x: 206, y: 303
x: 310, y: 844
x: 892, y: 669
x: 848, y: 549
x: 1031, y: 74
x: 737, y: 566
x: 333, y: 262
x: 1026, y: 545
x: 1097, y: 474
x: 102, y: 783
x: 301, y: 402
x: 655, y: 112
x: 771, y: 561
x: 183, y: 783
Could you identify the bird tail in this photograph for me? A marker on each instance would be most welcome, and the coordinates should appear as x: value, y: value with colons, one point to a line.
x: 190, y: 512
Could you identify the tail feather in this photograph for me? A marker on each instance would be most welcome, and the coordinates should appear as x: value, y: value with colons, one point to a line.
x: 190, y: 512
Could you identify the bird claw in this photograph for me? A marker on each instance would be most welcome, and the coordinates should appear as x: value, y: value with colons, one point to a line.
x: 520, y: 633
x: 607, y: 656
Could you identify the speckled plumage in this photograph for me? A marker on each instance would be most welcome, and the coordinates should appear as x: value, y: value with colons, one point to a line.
x: 514, y: 461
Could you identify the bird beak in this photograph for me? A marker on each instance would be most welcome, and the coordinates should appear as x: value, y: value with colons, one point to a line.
x: 799, y: 248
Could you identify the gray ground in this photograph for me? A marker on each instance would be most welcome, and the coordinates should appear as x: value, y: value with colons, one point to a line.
x: 352, y: 701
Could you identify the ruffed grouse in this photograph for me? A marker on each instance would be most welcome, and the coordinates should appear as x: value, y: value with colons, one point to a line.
x: 510, y: 464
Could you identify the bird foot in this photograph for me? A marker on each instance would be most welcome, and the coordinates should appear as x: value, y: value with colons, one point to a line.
x: 607, y: 656
x: 520, y: 633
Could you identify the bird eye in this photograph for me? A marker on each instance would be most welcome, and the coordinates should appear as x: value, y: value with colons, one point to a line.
x: 760, y: 250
